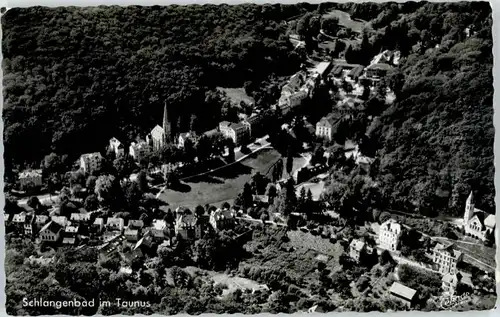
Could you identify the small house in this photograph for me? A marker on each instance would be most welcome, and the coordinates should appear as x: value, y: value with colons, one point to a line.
x: 403, y: 293
x: 51, y: 232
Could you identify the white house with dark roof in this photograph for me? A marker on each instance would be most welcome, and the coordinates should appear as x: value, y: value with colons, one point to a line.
x: 135, y: 224
x: 477, y: 223
x: 238, y: 132
x: 389, y: 234
x: 403, y: 293
x: 356, y: 248
x: 131, y: 235
x: 446, y: 258
x: 90, y: 162
x: 115, y: 224
x: 222, y: 218
x: 61, y: 220
x: 450, y: 282
x: 51, y: 232
x: 137, y: 150
x: 116, y: 146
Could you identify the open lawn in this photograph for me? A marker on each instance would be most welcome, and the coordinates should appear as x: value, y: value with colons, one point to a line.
x: 346, y: 21
x: 236, y: 95
x: 222, y: 185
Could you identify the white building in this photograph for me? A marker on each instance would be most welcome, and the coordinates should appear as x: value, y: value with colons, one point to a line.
x: 222, y: 218
x: 446, y: 258
x: 116, y: 146
x: 138, y: 150
x: 30, y: 178
x: 389, y: 234
x: 477, y: 223
x: 356, y: 248
x: 90, y: 162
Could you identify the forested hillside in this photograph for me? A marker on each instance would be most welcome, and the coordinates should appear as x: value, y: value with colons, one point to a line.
x: 76, y: 76
x: 437, y: 139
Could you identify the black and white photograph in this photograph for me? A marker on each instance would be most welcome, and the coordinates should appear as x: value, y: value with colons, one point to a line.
x: 249, y: 158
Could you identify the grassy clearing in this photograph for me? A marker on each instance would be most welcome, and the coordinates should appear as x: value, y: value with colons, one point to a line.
x: 346, y: 21
x: 223, y: 185
x: 237, y: 95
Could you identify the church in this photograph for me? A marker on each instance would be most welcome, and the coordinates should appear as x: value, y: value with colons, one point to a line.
x: 160, y: 136
x: 477, y: 223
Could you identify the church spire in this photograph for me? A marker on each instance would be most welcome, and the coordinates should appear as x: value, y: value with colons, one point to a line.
x: 166, y: 123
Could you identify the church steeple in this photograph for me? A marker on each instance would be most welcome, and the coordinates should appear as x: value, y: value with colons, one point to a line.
x: 167, y: 129
x: 469, y: 207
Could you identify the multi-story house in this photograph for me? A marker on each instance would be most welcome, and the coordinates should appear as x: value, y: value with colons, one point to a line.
x: 356, y: 248
x: 389, y: 234
x: 91, y: 162
x: 183, y: 137
x: 115, y: 224
x: 51, y: 232
x: 138, y: 150
x: 327, y: 126
x: 29, y: 225
x: 446, y: 258
x: 221, y: 219
x: 477, y: 223
x: 185, y: 226
x: 29, y: 179
x: 61, y: 220
x: 450, y: 282
x: 80, y: 217
x: 238, y: 132
x: 116, y: 146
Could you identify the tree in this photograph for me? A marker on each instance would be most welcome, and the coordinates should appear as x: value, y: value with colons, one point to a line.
x: 133, y: 195
x: 90, y: 183
x: 271, y: 193
x: 34, y: 203
x: 385, y: 257
x: 330, y: 25
x: 204, y: 149
x: 259, y: 183
x: 124, y: 166
x: 91, y: 203
x: 108, y: 190
x: 142, y: 181
x: 384, y: 216
x: 199, y: 211
x: 247, y: 196
x: 289, y: 160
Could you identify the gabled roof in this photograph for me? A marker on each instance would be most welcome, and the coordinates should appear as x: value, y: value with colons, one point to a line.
x: 133, y: 223
x: 30, y: 173
x: 490, y: 221
x: 20, y: 217
x: 357, y: 244
x: 88, y: 156
x: 391, y: 225
x: 159, y: 224
x: 329, y: 120
x: 157, y: 130
x: 449, y: 247
x: 403, y: 291
x: 52, y: 226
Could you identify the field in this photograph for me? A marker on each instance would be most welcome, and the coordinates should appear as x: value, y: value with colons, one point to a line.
x: 222, y: 185
x: 346, y: 21
x: 236, y: 95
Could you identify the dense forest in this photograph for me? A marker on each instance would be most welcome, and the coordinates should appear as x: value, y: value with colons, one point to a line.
x: 74, y: 77
x: 78, y: 76
x: 437, y: 138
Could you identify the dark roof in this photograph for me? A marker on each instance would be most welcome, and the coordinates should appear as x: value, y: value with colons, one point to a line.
x: 356, y: 72
x: 52, y: 226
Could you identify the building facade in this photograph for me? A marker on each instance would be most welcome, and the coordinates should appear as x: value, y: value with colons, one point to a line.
x: 446, y: 258
x: 116, y: 146
x: 326, y: 127
x: 221, y: 219
x: 51, y: 232
x: 477, y: 223
x: 238, y: 132
x: 91, y: 162
x: 450, y: 283
x: 138, y: 150
x: 161, y: 135
x: 356, y: 248
x: 389, y: 234
x: 30, y: 179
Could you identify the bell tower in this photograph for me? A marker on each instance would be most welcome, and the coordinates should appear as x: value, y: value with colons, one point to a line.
x: 469, y: 208
x: 167, y: 129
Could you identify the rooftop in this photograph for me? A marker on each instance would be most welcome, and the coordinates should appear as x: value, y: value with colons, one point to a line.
x: 403, y: 291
